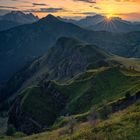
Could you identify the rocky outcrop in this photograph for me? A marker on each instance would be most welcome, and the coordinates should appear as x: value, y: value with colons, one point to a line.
x: 70, y: 56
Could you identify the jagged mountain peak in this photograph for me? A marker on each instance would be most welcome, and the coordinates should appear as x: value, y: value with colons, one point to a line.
x: 16, y: 12
x: 50, y: 18
x: 19, y: 17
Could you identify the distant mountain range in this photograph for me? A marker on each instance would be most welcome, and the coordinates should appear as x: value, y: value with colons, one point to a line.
x: 102, y: 23
x: 22, y: 44
x: 95, y: 23
x: 16, y: 18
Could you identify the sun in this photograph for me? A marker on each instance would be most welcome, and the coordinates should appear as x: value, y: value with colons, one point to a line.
x: 109, y: 16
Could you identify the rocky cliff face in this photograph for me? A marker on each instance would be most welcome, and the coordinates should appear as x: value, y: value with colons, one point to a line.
x: 70, y: 56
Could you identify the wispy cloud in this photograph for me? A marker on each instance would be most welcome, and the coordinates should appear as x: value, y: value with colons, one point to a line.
x: 85, y: 13
x: 87, y: 1
x: 39, y: 4
x: 46, y: 10
x: 8, y: 7
x: 133, y: 15
x: 97, y: 8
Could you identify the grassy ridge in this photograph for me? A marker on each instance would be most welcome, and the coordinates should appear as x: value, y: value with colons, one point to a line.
x: 87, y: 90
x: 124, y: 125
x: 105, y: 85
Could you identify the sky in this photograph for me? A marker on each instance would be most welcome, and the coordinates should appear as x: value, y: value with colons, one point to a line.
x: 126, y: 9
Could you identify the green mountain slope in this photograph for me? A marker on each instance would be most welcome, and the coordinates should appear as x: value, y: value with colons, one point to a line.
x: 70, y: 79
x: 74, y: 98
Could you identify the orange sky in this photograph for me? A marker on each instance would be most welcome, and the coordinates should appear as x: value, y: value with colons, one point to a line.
x: 127, y: 9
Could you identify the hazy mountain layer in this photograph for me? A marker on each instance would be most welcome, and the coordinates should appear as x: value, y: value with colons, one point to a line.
x: 34, y: 40
x: 19, y: 17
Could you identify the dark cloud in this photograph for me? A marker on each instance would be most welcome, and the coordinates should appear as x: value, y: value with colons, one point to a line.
x: 39, y: 4
x: 7, y: 7
x: 23, y: 1
x: 46, y: 10
x: 98, y: 8
x: 124, y: 0
x: 51, y: 10
x: 88, y: 13
x: 87, y: 1
x: 85, y: 13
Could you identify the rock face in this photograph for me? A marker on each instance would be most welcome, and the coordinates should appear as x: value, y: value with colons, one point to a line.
x: 70, y: 56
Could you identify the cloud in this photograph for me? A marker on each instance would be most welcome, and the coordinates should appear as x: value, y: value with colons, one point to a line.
x: 46, y: 10
x: 125, y: 0
x: 87, y: 1
x: 39, y: 4
x: 51, y: 10
x: 132, y: 15
x: 97, y: 8
x: 7, y: 7
x: 85, y: 13
x: 23, y: 1
x: 89, y: 13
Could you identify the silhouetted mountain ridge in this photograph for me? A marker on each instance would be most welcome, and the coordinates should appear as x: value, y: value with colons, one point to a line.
x: 102, y: 23
x: 34, y: 39
x: 19, y: 17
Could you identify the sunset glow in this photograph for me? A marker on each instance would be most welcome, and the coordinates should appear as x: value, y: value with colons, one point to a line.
x: 126, y: 9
